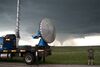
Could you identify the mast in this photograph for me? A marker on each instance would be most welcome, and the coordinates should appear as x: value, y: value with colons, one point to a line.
x: 18, y: 23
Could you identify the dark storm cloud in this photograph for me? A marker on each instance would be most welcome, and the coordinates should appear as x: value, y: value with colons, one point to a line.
x: 69, y: 16
x: 76, y: 17
x: 7, y: 15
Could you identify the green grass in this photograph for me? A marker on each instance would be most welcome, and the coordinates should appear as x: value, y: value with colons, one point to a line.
x: 68, y: 55
x: 72, y: 55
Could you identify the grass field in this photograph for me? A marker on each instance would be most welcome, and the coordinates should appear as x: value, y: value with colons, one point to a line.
x: 69, y: 55
x: 72, y: 55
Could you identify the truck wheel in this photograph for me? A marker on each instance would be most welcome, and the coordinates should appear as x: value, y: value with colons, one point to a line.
x: 29, y: 58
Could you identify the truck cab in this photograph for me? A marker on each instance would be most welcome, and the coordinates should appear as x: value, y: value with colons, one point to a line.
x: 8, y: 42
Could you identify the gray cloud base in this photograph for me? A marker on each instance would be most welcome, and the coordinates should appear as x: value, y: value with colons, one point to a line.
x: 76, y: 17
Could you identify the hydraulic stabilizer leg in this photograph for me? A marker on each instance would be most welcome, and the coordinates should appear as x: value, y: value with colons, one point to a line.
x: 44, y: 55
x: 36, y: 54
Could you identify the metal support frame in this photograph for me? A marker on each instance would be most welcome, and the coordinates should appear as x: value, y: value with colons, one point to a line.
x: 18, y: 23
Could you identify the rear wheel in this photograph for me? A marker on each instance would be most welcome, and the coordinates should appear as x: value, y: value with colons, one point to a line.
x: 29, y: 58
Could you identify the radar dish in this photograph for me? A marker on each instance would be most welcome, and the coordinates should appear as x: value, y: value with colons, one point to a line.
x: 47, y: 30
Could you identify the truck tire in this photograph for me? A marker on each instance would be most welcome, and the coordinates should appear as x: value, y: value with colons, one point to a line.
x: 29, y: 58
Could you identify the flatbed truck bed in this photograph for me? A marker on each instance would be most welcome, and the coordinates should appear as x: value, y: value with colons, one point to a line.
x: 30, y: 54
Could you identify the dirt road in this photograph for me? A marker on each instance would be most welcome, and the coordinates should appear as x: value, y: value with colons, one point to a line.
x: 6, y: 64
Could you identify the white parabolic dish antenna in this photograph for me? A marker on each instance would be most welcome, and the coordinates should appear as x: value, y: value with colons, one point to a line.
x: 47, y: 30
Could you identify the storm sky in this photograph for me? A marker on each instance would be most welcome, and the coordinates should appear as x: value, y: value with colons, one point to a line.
x: 72, y: 18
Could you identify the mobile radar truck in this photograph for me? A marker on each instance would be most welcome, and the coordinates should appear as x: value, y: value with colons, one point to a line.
x: 10, y: 48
